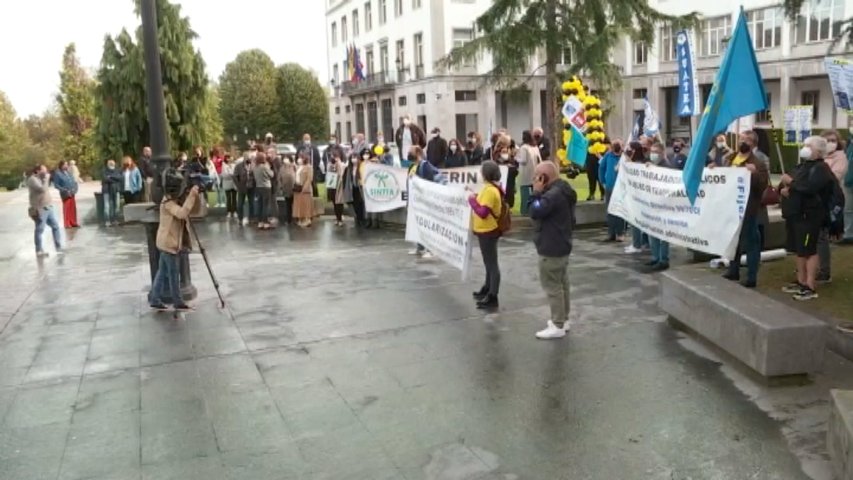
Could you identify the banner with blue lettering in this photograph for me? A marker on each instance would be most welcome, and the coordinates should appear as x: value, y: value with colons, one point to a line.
x: 688, y: 83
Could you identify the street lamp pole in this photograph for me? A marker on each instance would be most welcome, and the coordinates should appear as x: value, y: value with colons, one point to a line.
x: 161, y: 156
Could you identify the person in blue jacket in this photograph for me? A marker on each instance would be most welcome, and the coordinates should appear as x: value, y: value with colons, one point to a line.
x: 608, y: 170
x: 132, y: 182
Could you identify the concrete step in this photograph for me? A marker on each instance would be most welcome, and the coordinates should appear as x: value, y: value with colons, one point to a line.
x: 840, y: 435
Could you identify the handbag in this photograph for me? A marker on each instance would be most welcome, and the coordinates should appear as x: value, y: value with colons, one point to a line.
x: 332, y: 180
x: 770, y: 196
x: 33, y: 213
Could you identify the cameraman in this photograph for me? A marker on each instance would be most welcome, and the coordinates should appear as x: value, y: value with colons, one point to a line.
x: 172, y: 238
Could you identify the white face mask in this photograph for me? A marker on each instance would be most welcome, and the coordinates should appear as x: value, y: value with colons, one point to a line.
x: 406, y: 122
x: 434, y: 135
x: 806, y: 153
x: 831, y: 147
x: 453, y: 148
x: 654, y: 157
x: 380, y: 140
x: 721, y: 145
x: 504, y: 156
x: 366, y: 157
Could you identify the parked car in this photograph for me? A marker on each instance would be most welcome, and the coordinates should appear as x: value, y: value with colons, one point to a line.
x: 285, y: 149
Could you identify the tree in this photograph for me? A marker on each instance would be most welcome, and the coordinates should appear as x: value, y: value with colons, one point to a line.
x: 249, y: 101
x: 792, y: 11
x: 76, y: 101
x: 303, y: 106
x: 516, y: 31
x: 46, y: 134
x: 13, y: 144
x: 123, y: 114
x: 211, y: 118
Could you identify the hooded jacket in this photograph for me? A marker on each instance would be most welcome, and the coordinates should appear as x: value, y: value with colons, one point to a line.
x: 172, y: 234
x: 553, y: 213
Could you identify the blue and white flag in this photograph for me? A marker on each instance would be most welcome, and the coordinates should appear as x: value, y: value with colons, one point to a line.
x: 688, y: 84
x: 651, y: 121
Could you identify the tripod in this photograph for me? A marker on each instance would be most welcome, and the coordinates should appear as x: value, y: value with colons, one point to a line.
x: 206, y: 262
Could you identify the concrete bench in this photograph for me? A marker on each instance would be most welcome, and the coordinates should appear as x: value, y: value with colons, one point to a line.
x: 767, y: 336
x: 840, y: 435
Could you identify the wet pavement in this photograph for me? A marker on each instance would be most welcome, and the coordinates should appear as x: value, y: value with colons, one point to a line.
x: 341, y: 357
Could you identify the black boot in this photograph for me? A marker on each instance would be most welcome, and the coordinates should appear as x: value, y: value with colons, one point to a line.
x: 480, y: 294
x: 489, y: 302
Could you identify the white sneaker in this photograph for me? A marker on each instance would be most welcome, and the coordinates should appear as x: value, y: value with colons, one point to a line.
x: 552, y: 331
x: 631, y: 250
x: 414, y: 251
x: 426, y: 256
x: 42, y: 254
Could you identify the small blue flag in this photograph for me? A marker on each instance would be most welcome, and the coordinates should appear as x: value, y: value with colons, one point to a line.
x: 738, y: 91
x: 578, y: 146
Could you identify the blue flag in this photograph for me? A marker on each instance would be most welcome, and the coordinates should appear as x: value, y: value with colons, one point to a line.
x: 738, y: 91
x: 578, y: 146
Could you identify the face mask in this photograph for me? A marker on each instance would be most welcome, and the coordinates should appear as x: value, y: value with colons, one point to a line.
x: 654, y: 157
x: 453, y: 148
x: 406, y: 122
x: 504, y: 156
x: 307, y: 142
x: 617, y: 149
x: 380, y: 140
x: 721, y: 145
x: 366, y: 157
x: 412, y: 158
x: 434, y: 135
x: 333, y: 141
x: 806, y: 153
x: 676, y: 149
x: 831, y: 147
x: 744, y: 148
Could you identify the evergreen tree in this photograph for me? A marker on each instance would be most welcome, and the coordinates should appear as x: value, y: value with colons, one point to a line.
x: 792, y: 11
x: 76, y: 101
x: 303, y: 104
x: 249, y: 101
x: 515, y: 32
x: 123, y: 113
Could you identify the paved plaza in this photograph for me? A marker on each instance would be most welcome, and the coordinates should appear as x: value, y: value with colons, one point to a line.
x: 341, y: 357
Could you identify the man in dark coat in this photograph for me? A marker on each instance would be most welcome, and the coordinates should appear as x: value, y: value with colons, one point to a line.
x: 436, y: 149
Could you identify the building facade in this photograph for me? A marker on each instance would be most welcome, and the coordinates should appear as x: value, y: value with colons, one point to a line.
x: 790, y: 55
x: 399, y: 43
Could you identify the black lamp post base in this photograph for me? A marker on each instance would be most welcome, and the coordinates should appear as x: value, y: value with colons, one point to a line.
x: 188, y: 290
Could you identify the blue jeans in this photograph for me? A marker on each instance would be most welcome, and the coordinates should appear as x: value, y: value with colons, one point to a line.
x: 47, y: 217
x: 615, y: 225
x: 660, y: 251
x: 749, y: 243
x: 168, y: 276
x: 526, y: 192
x: 111, y: 207
x: 639, y: 239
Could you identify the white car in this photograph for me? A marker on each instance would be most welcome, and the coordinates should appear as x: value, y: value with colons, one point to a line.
x: 285, y: 149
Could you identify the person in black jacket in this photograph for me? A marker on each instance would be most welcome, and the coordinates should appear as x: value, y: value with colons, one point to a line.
x: 552, y: 208
x: 805, y: 194
x: 111, y: 186
x: 543, y: 142
x: 456, y: 157
x: 436, y: 149
x: 474, y: 149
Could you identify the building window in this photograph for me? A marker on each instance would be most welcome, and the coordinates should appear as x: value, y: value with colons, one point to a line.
x: 667, y: 45
x: 343, y: 29
x: 387, y: 118
x: 812, y: 97
x: 465, y: 123
x: 383, y: 58
x: 368, y: 60
x: 764, y: 116
x: 401, y: 54
x: 336, y: 74
x: 565, y: 56
x: 641, y: 53
x: 461, y: 36
x: 398, y: 8
x: 419, y: 55
x: 714, y: 32
x: 765, y: 27
x: 349, y: 129
x: 383, y: 11
x: 420, y: 99
x: 337, y: 110
x: 422, y: 122
x: 416, y: 4
x: 640, y: 94
x: 466, y: 95
x: 334, y: 34
x: 348, y: 109
x: 338, y: 130
x: 359, y: 117
x: 820, y: 20
x: 368, y: 17
x: 402, y: 101
x: 354, y: 23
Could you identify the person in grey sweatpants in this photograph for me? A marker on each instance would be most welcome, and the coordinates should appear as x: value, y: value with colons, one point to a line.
x: 552, y: 208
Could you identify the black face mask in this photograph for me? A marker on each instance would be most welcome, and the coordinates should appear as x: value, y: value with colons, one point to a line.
x: 617, y: 149
x: 676, y: 149
x: 744, y: 148
x: 412, y: 158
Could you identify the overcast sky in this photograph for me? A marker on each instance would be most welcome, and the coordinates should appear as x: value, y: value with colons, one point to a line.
x: 35, y: 32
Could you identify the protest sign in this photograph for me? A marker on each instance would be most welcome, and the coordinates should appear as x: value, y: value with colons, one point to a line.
x: 439, y: 218
x: 384, y: 187
x: 798, y: 124
x: 470, y: 176
x: 653, y: 199
x: 840, y: 73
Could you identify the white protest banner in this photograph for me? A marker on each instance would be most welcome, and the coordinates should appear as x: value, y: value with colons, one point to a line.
x: 470, y: 176
x: 384, y: 187
x: 439, y: 218
x: 797, y: 124
x: 840, y: 73
x: 653, y: 199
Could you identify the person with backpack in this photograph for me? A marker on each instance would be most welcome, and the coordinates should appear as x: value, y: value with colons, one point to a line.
x: 552, y: 209
x: 807, y: 193
x: 419, y: 167
x: 837, y: 162
x: 488, y: 211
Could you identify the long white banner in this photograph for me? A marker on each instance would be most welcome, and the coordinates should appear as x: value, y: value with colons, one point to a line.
x: 439, y: 218
x: 385, y: 187
x: 653, y: 199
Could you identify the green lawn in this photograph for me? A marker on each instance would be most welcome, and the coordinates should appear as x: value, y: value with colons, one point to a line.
x: 835, y: 300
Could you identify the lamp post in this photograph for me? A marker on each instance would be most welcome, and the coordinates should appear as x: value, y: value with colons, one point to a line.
x: 161, y: 157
